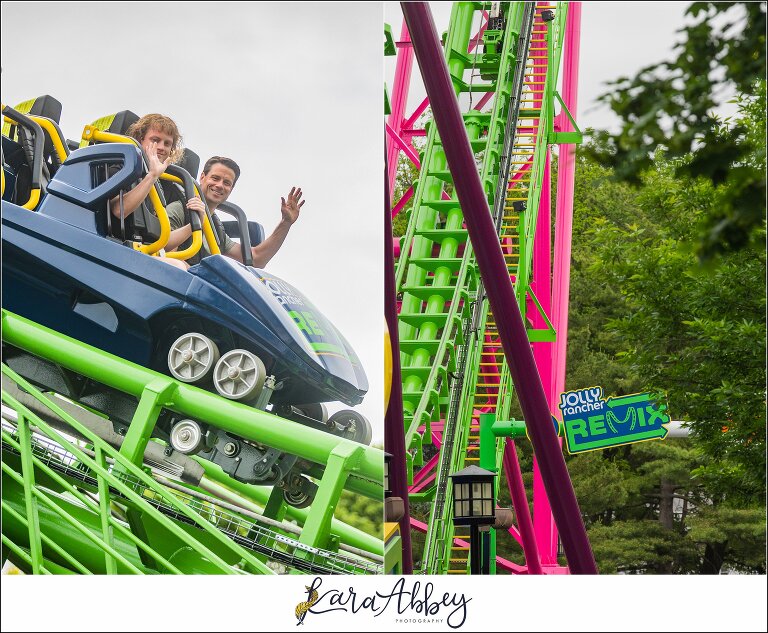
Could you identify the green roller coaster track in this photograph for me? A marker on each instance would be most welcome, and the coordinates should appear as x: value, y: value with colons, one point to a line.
x: 455, y: 378
x: 73, y: 503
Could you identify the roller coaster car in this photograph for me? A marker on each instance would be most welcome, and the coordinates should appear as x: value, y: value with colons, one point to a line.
x: 236, y: 330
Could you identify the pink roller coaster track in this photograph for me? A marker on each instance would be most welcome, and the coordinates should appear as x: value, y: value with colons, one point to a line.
x: 550, y: 282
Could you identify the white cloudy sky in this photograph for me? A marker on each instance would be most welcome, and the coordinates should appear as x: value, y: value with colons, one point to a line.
x: 291, y: 91
x: 616, y: 39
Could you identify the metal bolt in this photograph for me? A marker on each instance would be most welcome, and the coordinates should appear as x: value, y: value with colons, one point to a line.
x: 168, y: 451
x: 230, y: 449
x: 185, y: 435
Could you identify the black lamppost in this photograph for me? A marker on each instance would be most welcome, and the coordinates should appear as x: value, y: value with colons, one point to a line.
x: 474, y: 505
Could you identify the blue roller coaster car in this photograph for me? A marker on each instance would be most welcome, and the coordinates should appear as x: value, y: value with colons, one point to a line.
x: 236, y: 330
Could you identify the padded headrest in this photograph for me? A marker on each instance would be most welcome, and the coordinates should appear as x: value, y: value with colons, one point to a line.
x: 116, y: 123
x: 122, y: 121
x: 45, y: 106
x: 48, y: 107
x: 191, y: 162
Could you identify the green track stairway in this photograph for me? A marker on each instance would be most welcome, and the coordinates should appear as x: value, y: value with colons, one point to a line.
x: 453, y: 366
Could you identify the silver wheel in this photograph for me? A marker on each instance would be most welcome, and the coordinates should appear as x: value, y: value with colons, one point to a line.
x: 351, y: 425
x: 192, y: 357
x: 187, y: 437
x: 239, y: 375
x: 300, y: 492
x: 317, y: 411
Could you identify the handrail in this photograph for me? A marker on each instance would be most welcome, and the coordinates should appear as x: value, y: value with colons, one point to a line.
x: 91, y: 133
x: 174, y: 173
x: 38, y: 140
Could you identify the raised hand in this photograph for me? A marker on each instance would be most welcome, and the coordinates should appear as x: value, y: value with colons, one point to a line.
x: 292, y: 207
x: 156, y: 166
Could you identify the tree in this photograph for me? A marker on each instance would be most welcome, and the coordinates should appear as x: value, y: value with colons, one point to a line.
x: 406, y: 177
x: 361, y: 512
x: 646, y: 315
x: 669, y: 107
x: 694, y: 333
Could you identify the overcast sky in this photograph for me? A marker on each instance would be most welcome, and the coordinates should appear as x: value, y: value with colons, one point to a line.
x: 616, y: 39
x: 291, y: 91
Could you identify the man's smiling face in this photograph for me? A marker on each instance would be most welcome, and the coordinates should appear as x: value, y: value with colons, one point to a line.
x: 217, y: 184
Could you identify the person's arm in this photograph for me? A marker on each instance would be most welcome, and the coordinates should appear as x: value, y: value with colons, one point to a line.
x: 180, y: 235
x: 133, y: 198
x: 265, y: 251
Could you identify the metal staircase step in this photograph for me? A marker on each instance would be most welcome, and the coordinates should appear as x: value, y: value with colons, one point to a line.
x: 431, y: 264
x: 439, y: 235
x: 477, y: 144
x: 420, y: 372
x: 425, y: 292
x: 418, y: 319
x: 439, y: 205
x: 410, y: 346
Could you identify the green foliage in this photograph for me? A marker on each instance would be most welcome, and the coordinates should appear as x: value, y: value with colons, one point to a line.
x: 743, y: 530
x: 645, y: 314
x: 406, y: 173
x: 698, y: 335
x: 668, y: 107
x: 599, y: 484
x: 634, y: 547
x: 361, y: 512
x: 592, y: 348
x: 406, y: 177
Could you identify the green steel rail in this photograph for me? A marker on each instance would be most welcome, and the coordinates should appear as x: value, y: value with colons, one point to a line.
x: 424, y: 348
x: 242, y: 526
x: 429, y: 334
x: 51, y: 481
x: 441, y: 360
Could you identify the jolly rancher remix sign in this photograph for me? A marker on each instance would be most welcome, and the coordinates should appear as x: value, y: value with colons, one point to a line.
x: 590, y: 422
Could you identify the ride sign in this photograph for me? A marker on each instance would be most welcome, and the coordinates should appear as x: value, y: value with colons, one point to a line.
x: 590, y: 422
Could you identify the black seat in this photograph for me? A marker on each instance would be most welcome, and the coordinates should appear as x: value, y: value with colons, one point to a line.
x: 46, y: 111
x: 174, y: 191
x: 17, y: 173
x: 24, y: 176
x: 255, y: 231
x: 143, y: 224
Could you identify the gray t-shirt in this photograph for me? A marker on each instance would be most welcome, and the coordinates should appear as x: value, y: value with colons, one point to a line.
x: 177, y: 219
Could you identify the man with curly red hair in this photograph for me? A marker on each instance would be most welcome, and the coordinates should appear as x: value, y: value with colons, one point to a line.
x: 161, y: 141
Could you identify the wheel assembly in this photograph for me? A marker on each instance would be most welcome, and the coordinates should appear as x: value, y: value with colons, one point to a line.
x: 187, y: 437
x: 239, y: 375
x: 351, y: 425
x: 299, y: 491
x: 317, y: 411
x: 192, y: 357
